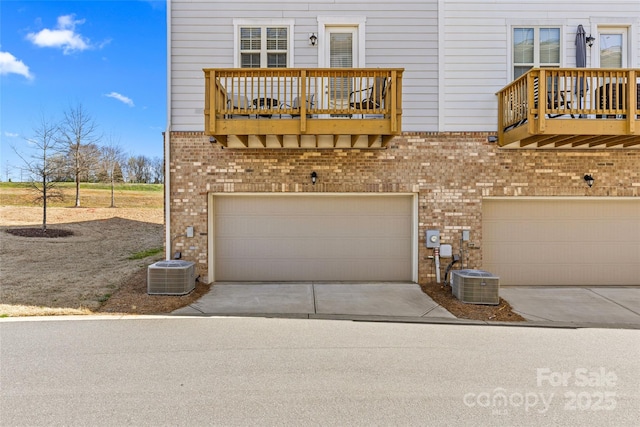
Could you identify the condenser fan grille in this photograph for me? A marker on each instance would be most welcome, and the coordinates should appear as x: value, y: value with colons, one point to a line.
x: 172, y: 277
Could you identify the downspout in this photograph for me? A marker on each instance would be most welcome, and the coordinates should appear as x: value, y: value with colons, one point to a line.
x: 167, y: 145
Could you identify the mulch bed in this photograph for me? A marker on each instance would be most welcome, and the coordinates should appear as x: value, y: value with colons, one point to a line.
x: 132, y: 298
x: 53, y: 233
x: 442, y: 295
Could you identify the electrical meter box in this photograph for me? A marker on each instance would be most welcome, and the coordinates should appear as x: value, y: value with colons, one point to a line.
x: 432, y: 238
x: 446, y: 251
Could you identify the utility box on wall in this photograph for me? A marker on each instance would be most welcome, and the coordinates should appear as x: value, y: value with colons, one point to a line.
x: 475, y: 287
x: 432, y: 238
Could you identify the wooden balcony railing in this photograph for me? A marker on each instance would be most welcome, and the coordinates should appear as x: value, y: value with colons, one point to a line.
x: 292, y: 107
x: 571, y: 108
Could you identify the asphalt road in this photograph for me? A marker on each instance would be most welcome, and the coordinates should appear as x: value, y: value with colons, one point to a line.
x: 256, y: 371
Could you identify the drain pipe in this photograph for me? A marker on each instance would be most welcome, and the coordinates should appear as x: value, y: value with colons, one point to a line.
x: 167, y: 145
x: 436, y: 256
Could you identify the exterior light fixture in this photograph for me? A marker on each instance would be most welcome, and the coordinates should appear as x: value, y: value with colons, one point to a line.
x: 492, y: 138
x: 314, y: 177
x: 590, y: 40
x: 313, y: 39
x: 589, y: 180
x: 212, y: 140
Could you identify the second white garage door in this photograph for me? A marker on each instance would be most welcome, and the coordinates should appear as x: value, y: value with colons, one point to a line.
x: 558, y: 241
x: 313, y: 237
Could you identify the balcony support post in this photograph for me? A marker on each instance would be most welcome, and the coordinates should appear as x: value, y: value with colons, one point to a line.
x: 531, y: 101
x: 394, y: 100
x: 632, y: 95
x: 542, y: 100
x: 303, y: 103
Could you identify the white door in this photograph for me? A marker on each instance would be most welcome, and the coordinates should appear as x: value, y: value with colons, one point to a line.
x: 313, y: 237
x: 341, y: 51
x: 562, y: 242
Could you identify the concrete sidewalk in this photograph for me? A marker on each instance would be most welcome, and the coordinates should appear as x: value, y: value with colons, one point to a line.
x: 317, y: 300
x: 610, y: 307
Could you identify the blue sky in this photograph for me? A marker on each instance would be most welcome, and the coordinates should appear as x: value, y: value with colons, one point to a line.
x: 109, y: 56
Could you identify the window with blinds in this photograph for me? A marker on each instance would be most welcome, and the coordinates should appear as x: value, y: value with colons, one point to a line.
x: 535, y: 47
x: 611, y: 50
x: 340, y: 56
x: 264, y: 47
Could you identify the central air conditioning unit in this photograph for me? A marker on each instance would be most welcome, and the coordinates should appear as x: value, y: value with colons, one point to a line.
x: 171, y: 277
x: 475, y: 286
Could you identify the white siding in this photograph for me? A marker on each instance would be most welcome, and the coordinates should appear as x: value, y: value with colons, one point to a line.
x: 398, y: 34
x: 469, y: 61
x: 475, y: 57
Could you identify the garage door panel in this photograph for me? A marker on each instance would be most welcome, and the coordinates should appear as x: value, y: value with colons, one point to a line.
x: 261, y: 270
x: 302, y: 248
x: 313, y: 237
x: 563, y: 241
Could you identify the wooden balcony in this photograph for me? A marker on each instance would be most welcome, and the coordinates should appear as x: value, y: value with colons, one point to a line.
x: 581, y: 108
x: 303, y: 108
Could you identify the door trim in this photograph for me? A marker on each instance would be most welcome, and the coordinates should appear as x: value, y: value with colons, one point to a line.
x: 621, y: 30
x: 341, y: 21
x: 630, y: 24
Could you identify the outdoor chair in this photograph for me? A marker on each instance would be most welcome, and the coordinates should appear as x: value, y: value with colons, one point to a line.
x: 371, y: 98
x: 555, y: 97
x: 609, y: 98
x: 240, y: 106
x: 555, y: 100
x: 296, y: 105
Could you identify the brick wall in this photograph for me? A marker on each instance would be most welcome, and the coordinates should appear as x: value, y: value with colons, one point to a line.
x: 451, y: 172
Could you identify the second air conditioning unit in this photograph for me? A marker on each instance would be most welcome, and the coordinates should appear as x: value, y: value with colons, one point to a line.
x: 475, y: 287
x: 171, y: 277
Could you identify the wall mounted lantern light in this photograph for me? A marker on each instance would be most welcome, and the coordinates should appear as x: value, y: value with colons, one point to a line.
x: 313, y: 39
x: 590, y: 40
x: 589, y: 180
x: 314, y: 177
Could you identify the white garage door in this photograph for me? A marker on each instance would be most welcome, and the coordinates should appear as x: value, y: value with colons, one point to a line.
x: 313, y: 237
x: 562, y: 242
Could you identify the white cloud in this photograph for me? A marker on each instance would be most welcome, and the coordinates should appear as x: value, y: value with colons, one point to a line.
x: 64, y: 36
x: 11, y: 135
x: 121, y: 98
x: 9, y: 64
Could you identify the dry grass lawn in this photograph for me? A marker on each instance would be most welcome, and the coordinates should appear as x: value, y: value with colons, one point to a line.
x: 73, y: 275
x: 77, y: 274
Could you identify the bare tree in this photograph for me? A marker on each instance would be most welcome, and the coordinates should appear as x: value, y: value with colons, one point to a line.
x: 79, y: 130
x: 157, y: 165
x: 46, y: 144
x: 139, y: 169
x: 112, y: 155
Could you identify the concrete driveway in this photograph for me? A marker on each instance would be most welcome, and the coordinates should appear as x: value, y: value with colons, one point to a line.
x: 317, y: 299
x: 591, y: 306
x: 611, y: 307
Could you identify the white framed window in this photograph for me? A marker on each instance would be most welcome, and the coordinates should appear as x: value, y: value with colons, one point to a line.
x: 263, y: 44
x: 535, y: 46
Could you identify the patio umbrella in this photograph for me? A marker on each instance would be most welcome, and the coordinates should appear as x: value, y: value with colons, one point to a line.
x: 581, y: 62
x: 581, y: 47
